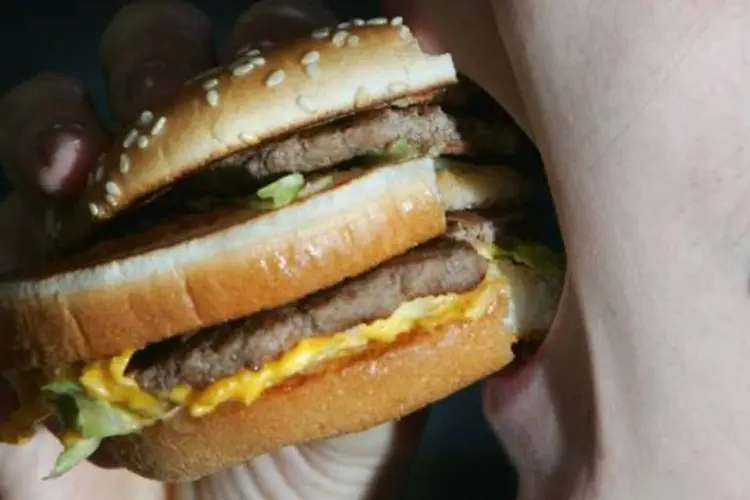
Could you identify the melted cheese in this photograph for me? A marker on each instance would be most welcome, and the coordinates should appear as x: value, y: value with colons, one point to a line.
x: 107, y: 380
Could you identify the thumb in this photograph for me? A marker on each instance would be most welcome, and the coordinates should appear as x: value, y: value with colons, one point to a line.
x: 544, y: 410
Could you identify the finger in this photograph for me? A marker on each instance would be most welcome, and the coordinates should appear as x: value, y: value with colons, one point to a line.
x: 149, y: 49
x: 466, y: 29
x: 49, y: 135
x: 271, y: 21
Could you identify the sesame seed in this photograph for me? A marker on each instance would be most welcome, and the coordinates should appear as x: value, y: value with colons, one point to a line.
x: 275, y: 78
x: 397, y: 21
x: 311, y: 57
x: 159, y: 125
x: 246, y: 137
x: 321, y: 33
x: 99, y: 174
x: 212, y: 98
x: 358, y: 22
x: 258, y: 61
x: 145, y: 118
x: 143, y: 142
x: 352, y: 41
x: 398, y: 87
x: 94, y: 209
x: 248, y: 51
x: 344, y: 25
x: 305, y: 103
x: 124, y: 163
x: 113, y: 189
x: 377, y: 21
x: 340, y: 38
x: 405, y: 33
x: 130, y: 139
x: 111, y: 200
x: 209, y: 84
x: 242, y: 69
x: 312, y: 70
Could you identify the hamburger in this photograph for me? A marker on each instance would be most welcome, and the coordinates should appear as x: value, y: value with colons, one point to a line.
x: 317, y: 238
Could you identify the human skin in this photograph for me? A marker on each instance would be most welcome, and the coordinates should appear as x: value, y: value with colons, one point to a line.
x: 640, y: 110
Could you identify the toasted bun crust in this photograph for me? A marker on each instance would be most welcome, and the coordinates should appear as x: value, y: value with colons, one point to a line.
x: 257, y: 98
x: 381, y: 384
x: 466, y: 186
x: 175, y: 280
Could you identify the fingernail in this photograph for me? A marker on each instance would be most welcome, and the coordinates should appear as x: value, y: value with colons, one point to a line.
x: 66, y: 152
x: 151, y: 82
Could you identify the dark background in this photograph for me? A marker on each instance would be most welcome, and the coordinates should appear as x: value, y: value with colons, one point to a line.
x: 459, y: 456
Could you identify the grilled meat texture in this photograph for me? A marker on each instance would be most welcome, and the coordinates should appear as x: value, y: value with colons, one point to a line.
x: 438, y: 267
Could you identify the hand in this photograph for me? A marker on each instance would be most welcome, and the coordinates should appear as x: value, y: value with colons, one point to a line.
x: 50, y: 136
x: 640, y: 112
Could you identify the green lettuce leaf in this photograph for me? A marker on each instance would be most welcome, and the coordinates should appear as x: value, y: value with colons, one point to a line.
x: 92, y: 418
x: 64, y: 388
x: 70, y: 457
x: 98, y: 419
x: 401, y: 149
x: 280, y: 193
x: 63, y: 395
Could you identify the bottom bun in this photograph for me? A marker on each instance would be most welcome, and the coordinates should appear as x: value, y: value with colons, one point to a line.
x: 377, y: 385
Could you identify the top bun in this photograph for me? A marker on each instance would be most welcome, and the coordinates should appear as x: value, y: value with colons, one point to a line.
x: 258, y: 97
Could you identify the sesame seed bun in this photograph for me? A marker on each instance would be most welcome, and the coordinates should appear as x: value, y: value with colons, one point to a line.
x: 378, y: 385
x: 220, y: 267
x: 255, y: 99
x: 172, y: 273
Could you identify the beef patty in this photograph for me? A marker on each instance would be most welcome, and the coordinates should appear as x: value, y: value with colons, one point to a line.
x: 235, y: 178
x: 424, y: 126
x: 438, y: 267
